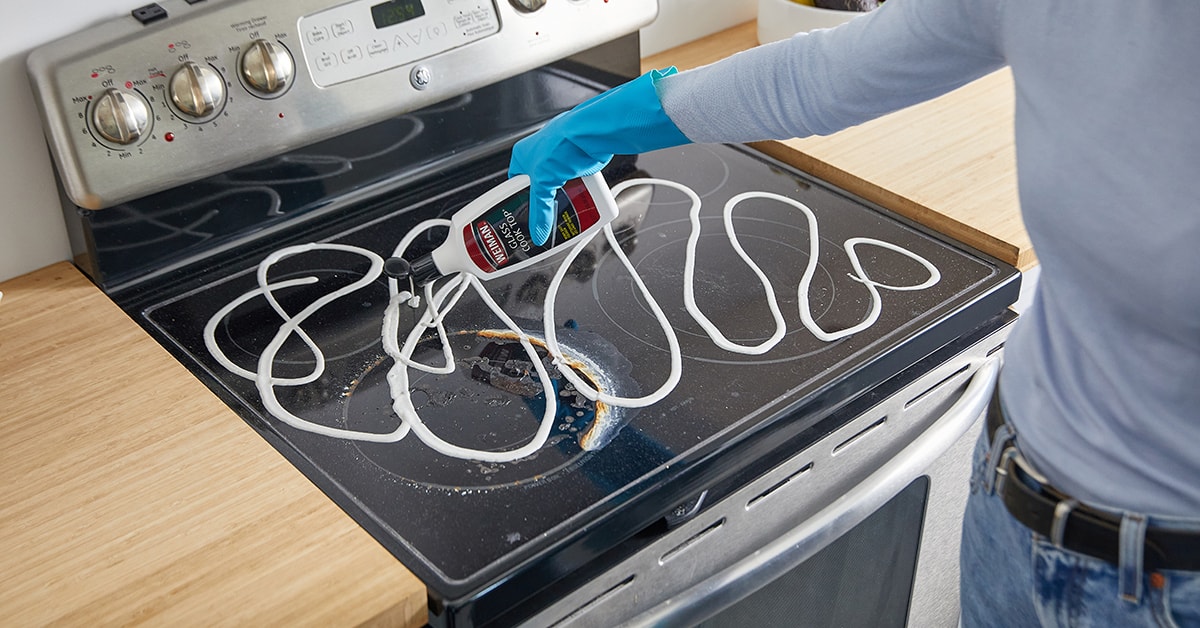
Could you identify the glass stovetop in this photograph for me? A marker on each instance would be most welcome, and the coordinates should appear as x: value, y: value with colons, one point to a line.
x: 461, y: 525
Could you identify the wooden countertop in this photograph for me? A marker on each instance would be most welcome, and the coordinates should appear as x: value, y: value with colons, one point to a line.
x: 131, y: 494
x: 948, y: 163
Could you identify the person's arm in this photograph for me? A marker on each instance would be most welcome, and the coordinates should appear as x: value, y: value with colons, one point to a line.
x: 905, y: 52
x: 625, y: 120
x: 817, y: 83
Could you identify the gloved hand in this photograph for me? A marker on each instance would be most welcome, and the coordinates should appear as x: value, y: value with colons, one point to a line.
x: 625, y: 120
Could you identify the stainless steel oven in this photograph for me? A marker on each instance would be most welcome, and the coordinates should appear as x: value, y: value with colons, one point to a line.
x: 860, y: 529
x: 195, y: 138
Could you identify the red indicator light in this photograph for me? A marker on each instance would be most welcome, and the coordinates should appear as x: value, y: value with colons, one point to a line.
x: 95, y: 75
x: 169, y: 136
x: 170, y: 46
x: 281, y: 116
x: 128, y: 84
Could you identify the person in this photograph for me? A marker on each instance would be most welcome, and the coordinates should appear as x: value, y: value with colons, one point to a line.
x: 1086, y: 511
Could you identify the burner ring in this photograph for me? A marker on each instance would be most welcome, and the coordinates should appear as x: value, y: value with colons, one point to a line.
x: 243, y: 329
x: 763, y: 234
x: 489, y: 402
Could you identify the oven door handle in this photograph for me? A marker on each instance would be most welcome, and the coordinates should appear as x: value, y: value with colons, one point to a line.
x: 800, y: 543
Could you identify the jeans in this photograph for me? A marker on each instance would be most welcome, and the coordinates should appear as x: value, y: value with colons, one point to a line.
x: 1011, y: 577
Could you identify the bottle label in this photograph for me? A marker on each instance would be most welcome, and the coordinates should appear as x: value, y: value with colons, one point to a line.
x: 500, y: 237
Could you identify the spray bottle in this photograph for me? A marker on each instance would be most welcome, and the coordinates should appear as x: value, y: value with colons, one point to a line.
x: 489, y: 237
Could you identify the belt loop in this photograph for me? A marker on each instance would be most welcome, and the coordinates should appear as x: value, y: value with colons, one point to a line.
x: 1131, y: 550
x: 1061, y: 511
x: 1000, y: 440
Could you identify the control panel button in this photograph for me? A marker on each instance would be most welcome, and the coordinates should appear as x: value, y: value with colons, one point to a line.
x: 376, y: 47
x: 120, y: 117
x: 351, y: 54
x: 326, y: 61
x: 197, y: 90
x: 317, y: 35
x: 267, y: 67
x: 343, y: 28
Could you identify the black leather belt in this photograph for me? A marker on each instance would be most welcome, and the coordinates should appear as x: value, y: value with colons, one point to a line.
x: 1083, y: 529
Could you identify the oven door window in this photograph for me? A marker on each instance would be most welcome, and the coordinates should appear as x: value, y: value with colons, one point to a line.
x: 864, y: 578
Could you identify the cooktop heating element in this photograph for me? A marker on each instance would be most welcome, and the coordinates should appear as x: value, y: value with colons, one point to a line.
x: 463, y: 525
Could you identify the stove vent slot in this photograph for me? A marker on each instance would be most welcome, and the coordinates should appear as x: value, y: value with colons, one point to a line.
x: 994, y: 350
x: 859, y: 436
x: 694, y: 539
x: 778, y: 485
x: 596, y: 601
x: 918, y: 398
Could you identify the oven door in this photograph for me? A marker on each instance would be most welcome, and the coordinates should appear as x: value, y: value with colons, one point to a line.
x: 878, y: 504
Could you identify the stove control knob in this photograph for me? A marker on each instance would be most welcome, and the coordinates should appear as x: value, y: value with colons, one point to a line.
x: 528, y: 6
x: 196, y: 90
x: 120, y: 117
x: 267, y: 67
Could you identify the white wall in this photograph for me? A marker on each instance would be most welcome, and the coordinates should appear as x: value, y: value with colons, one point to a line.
x: 32, y: 230
x: 681, y: 21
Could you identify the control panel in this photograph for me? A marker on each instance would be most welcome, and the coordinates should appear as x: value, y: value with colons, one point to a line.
x: 361, y: 38
x: 184, y: 89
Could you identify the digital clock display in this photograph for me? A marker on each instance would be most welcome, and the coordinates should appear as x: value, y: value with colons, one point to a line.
x: 395, y: 12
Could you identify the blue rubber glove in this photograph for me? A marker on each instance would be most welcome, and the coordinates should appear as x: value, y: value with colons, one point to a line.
x: 626, y: 120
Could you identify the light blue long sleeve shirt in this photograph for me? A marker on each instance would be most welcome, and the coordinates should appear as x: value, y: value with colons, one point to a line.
x: 1102, y: 372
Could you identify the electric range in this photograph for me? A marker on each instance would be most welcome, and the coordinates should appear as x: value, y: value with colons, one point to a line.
x: 495, y: 542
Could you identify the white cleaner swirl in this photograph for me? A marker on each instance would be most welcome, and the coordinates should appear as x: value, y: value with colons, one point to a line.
x: 439, y: 301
